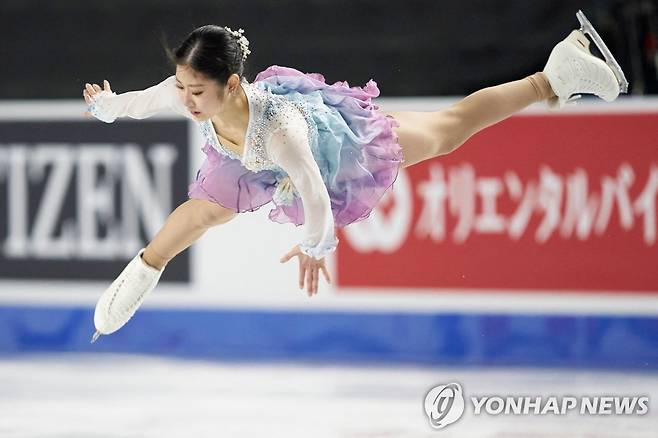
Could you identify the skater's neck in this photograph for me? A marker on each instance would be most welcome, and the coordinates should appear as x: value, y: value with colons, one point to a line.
x: 232, y: 120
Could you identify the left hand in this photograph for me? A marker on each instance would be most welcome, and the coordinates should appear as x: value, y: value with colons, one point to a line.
x: 90, y: 93
x: 308, y: 270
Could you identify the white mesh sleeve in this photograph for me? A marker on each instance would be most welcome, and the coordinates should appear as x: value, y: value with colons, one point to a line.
x: 108, y: 106
x: 289, y: 148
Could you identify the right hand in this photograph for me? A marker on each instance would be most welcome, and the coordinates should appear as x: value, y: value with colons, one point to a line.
x: 309, y: 269
x: 91, y: 91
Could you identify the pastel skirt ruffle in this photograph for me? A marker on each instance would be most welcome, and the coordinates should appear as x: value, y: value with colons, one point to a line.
x: 356, y: 150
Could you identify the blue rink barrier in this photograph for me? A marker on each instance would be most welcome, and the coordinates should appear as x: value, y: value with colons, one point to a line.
x: 462, y: 339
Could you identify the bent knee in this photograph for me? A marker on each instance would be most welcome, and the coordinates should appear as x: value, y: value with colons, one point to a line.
x: 211, y: 214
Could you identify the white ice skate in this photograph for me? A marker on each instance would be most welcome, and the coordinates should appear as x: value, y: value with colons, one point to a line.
x: 572, y: 69
x: 122, y: 299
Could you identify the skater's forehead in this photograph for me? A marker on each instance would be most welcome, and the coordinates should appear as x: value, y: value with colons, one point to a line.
x: 190, y: 85
x: 184, y: 73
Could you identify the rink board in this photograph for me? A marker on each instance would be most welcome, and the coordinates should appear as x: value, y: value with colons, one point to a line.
x: 498, y: 254
x: 443, y: 339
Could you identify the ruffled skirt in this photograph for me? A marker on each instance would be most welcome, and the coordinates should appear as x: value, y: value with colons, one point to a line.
x: 356, y: 150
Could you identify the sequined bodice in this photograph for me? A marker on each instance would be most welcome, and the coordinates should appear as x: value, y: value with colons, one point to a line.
x: 267, y: 112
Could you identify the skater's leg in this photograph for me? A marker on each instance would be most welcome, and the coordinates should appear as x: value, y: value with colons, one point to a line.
x: 487, y: 107
x: 125, y: 295
x: 571, y: 70
x: 182, y: 228
x: 425, y: 135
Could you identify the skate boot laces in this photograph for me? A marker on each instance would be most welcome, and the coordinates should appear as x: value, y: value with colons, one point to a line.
x: 122, y: 305
x: 121, y: 300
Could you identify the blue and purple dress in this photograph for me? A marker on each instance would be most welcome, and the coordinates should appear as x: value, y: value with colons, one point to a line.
x: 320, y: 153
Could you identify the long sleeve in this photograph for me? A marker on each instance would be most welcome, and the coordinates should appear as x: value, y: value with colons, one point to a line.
x: 289, y: 148
x: 108, y: 106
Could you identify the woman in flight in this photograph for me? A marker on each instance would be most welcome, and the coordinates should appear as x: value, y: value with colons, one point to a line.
x: 323, y: 154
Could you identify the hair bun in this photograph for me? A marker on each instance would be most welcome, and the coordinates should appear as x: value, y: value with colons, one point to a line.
x: 242, y: 41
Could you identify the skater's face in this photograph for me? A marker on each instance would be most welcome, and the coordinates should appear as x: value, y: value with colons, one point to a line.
x: 203, y: 97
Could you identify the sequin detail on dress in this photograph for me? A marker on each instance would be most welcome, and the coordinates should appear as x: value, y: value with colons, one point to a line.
x: 267, y: 112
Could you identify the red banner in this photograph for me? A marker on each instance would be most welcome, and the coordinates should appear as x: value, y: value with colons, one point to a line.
x: 559, y: 202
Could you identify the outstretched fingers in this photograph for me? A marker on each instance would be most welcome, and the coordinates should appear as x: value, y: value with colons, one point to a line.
x: 292, y: 253
x: 302, y: 273
x: 91, y: 90
x: 325, y: 272
x: 309, y: 270
x: 316, y: 280
x: 309, y: 280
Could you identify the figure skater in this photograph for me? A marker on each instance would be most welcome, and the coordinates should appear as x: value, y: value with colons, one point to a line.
x: 323, y: 154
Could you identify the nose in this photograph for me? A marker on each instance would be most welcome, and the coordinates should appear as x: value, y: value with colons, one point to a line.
x: 187, y: 101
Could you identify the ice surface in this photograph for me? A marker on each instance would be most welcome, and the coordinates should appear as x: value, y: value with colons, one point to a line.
x: 116, y: 396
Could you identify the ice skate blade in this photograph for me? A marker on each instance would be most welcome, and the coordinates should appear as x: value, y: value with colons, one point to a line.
x: 586, y: 27
x: 95, y: 337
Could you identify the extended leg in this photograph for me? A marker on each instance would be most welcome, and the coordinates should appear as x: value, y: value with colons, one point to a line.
x: 425, y: 135
x: 571, y: 70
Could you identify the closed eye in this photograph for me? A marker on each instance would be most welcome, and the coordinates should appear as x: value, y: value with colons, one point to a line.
x: 195, y: 94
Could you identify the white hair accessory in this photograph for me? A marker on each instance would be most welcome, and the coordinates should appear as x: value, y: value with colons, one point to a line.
x: 242, y: 40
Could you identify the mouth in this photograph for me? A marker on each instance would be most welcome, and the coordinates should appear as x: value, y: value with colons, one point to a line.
x: 195, y: 113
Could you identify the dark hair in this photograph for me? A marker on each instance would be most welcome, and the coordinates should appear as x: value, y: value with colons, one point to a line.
x: 212, y: 51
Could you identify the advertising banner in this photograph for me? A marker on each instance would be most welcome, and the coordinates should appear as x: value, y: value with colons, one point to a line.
x: 79, y: 198
x: 539, y: 202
